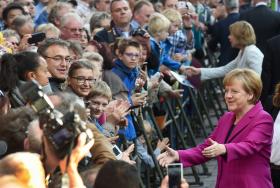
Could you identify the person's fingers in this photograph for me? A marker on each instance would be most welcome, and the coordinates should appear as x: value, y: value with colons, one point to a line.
x: 88, y: 146
x: 161, y: 156
x: 113, y: 138
x: 164, y: 182
x: 184, y: 183
x: 212, y: 141
x: 81, y: 140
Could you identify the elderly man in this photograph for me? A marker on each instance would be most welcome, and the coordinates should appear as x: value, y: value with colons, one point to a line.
x: 57, y: 55
x: 71, y: 27
x: 142, y: 11
x: 120, y: 25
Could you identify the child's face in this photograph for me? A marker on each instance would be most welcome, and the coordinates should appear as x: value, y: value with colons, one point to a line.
x: 130, y: 57
x: 97, y: 106
x: 174, y: 27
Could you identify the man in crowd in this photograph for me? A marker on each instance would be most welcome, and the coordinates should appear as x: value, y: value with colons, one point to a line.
x: 221, y: 32
x: 265, y: 22
x: 71, y: 27
x: 57, y: 55
x: 142, y: 11
x: 120, y: 25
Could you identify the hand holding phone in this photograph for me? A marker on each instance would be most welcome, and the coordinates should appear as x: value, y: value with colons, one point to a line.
x: 117, y: 152
x: 36, y: 37
x: 175, y: 174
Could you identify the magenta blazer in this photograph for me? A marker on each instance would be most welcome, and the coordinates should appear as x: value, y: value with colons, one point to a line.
x: 246, y: 163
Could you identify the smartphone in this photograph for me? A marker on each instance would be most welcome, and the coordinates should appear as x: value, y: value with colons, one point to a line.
x: 117, y: 152
x: 175, y: 174
x: 36, y: 37
x: 144, y: 66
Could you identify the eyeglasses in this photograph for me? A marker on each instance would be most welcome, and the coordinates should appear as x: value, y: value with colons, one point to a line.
x: 74, y: 29
x: 59, y: 58
x: 82, y: 80
x: 132, y: 55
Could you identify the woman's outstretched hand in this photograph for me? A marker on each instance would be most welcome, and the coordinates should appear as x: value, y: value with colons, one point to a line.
x: 214, y: 150
x: 169, y: 156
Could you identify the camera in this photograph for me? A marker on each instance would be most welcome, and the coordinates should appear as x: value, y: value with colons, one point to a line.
x: 61, y: 130
x: 32, y: 93
x: 139, y: 32
x: 62, y: 133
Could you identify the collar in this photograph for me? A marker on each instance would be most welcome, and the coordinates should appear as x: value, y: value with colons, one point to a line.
x: 117, y: 31
x: 261, y: 3
x: 119, y: 65
x: 134, y: 24
x: 56, y: 80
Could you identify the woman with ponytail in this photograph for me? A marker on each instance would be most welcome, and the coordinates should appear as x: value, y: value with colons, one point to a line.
x: 19, y: 68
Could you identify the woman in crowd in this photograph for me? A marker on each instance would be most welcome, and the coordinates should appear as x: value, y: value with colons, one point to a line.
x: 81, y: 77
x: 242, y: 36
x: 275, y: 152
x: 21, y: 67
x: 242, y: 139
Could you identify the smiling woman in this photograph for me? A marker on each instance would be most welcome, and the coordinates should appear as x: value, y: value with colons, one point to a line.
x: 80, y: 78
x: 241, y: 142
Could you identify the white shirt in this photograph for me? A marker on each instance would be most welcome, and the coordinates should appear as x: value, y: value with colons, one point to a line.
x: 275, y: 150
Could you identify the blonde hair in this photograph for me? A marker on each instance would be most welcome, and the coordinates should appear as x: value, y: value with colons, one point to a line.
x: 172, y: 15
x: 100, y: 88
x: 19, y: 164
x: 250, y: 80
x: 48, y: 27
x: 243, y: 32
x: 158, y: 23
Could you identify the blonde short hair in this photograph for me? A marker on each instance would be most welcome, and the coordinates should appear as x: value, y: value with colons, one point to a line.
x: 172, y: 15
x: 100, y: 88
x: 250, y: 80
x: 243, y: 32
x: 158, y: 23
x: 48, y: 27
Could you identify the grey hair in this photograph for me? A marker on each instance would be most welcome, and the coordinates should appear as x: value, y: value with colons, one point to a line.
x: 65, y: 19
x: 54, y: 13
x: 48, y: 27
x: 93, y: 56
x: 231, y: 4
x: 35, y: 140
x: 10, y: 33
x: 96, y: 18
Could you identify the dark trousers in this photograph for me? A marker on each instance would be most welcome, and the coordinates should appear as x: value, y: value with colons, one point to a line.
x: 275, y: 174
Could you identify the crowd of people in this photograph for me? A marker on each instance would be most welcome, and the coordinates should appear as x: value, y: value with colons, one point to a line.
x: 75, y: 76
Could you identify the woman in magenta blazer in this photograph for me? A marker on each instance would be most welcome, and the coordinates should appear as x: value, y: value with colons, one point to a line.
x: 241, y: 142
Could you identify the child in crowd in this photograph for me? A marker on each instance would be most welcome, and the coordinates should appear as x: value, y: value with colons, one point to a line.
x: 141, y: 146
x: 158, y: 28
x: 177, y: 38
x: 98, y: 101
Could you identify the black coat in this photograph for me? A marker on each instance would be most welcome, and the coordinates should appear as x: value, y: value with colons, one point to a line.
x: 270, y: 71
x: 265, y: 22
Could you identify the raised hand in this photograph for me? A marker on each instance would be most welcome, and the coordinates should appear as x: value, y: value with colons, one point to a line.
x: 163, y: 143
x: 169, y: 156
x: 214, y: 150
x: 192, y: 71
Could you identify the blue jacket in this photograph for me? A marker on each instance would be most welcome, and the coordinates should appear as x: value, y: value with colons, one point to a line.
x: 160, y: 56
x: 128, y: 77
